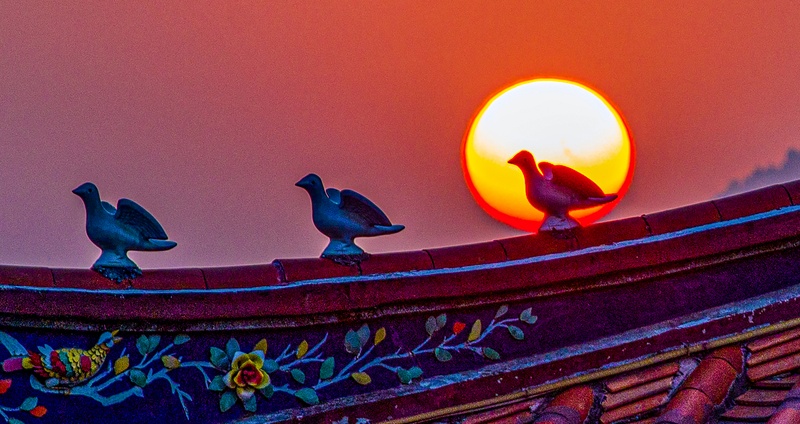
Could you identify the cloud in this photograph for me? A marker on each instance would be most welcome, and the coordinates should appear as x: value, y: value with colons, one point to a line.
x: 762, y: 177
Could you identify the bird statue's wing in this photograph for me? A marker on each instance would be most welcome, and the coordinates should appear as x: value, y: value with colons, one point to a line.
x: 568, y: 177
x: 130, y: 213
x: 359, y: 205
x: 334, y: 194
x: 109, y: 208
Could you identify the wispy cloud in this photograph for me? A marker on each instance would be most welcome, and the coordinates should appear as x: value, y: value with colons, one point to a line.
x: 762, y: 177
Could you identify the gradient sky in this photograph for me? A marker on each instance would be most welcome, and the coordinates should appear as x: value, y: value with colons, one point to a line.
x: 207, y: 113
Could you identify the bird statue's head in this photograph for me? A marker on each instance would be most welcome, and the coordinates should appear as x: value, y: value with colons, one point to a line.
x: 311, y: 182
x: 523, y: 159
x: 87, y: 190
x: 109, y: 338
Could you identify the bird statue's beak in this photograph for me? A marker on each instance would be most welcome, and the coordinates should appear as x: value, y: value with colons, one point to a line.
x: 75, y: 191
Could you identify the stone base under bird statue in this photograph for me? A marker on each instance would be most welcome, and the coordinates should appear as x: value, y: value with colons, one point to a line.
x: 118, y: 230
x: 344, y: 252
x: 343, y: 216
x: 556, y: 190
x: 557, y: 223
x: 116, y: 267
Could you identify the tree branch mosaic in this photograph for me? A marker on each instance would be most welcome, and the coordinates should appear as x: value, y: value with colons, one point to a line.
x: 245, y: 375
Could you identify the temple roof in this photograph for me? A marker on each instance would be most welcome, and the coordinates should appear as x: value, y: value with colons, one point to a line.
x: 283, y: 272
x: 682, y: 316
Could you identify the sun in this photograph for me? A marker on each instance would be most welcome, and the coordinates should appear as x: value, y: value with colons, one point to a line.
x: 559, y: 121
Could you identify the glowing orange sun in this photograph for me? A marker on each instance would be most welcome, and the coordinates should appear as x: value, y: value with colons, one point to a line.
x: 561, y: 122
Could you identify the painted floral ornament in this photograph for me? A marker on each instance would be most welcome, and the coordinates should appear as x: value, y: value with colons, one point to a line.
x: 247, y: 374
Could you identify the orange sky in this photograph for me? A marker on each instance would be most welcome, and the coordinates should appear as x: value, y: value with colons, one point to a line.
x: 208, y: 113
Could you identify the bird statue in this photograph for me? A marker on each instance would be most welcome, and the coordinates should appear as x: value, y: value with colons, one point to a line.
x: 556, y: 190
x: 343, y: 216
x: 65, y: 367
x: 117, y: 230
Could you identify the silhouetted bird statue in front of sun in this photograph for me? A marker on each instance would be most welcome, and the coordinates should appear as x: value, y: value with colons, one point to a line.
x: 343, y: 216
x: 556, y: 190
x: 117, y: 230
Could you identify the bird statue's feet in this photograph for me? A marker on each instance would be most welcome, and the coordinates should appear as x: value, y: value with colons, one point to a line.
x: 116, y: 267
x: 347, y: 260
x: 554, y: 223
x: 116, y: 273
x: 344, y: 253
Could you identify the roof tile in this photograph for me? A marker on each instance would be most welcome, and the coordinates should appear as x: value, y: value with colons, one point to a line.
x: 572, y: 404
x: 775, y: 339
x: 638, y: 408
x: 682, y: 218
x: 468, y: 254
x: 615, y: 400
x: 760, y: 397
x: 785, y: 416
x: 384, y: 263
x: 293, y: 270
x: 705, y: 387
x: 537, y: 245
x: 26, y: 276
x: 641, y: 377
x: 733, y: 355
x: 611, y: 232
x: 789, y: 411
x: 559, y: 415
x: 774, y: 352
x: 753, y: 202
x: 713, y: 376
x: 749, y: 413
x: 241, y: 276
x: 554, y: 418
x: 785, y: 383
x: 772, y: 368
x: 687, y: 406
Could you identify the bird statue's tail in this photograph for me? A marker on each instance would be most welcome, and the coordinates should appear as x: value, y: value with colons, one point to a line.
x: 389, y: 229
x: 158, y: 245
x: 605, y: 199
x: 594, y: 201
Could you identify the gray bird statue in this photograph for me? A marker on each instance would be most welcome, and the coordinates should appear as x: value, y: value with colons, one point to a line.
x: 116, y: 231
x: 343, y: 216
x: 556, y: 190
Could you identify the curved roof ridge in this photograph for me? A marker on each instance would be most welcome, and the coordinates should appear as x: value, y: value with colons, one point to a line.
x: 545, y: 246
